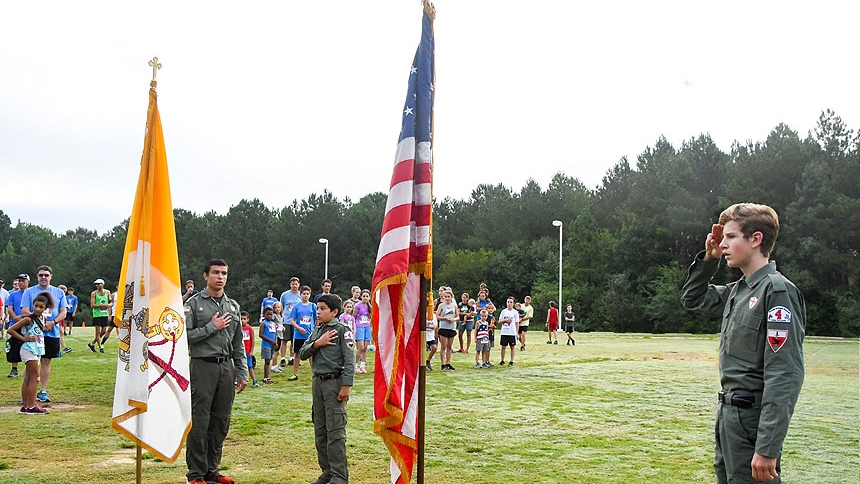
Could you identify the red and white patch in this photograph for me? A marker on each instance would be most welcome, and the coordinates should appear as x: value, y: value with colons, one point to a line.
x: 776, y: 338
x: 753, y: 302
x: 779, y: 314
x: 348, y: 335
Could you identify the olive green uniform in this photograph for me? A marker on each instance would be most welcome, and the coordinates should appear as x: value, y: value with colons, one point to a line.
x: 333, y: 367
x: 217, y: 361
x: 761, y: 362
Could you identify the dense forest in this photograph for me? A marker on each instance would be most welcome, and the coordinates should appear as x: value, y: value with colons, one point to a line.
x: 626, y: 244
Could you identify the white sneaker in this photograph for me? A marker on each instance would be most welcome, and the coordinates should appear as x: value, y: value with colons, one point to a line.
x: 277, y: 369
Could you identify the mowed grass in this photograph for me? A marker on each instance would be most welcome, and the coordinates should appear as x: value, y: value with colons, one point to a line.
x: 614, y: 408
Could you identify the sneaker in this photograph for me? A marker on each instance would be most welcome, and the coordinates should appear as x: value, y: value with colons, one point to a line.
x: 196, y: 481
x: 451, y: 368
x: 293, y: 378
x: 555, y: 342
x: 256, y: 384
x: 36, y: 410
x: 568, y: 342
x: 268, y: 381
x: 104, y: 339
x: 444, y: 368
x: 429, y: 366
x: 67, y: 350
x: 523, y: 348
x: 478, y: 365
x: 511, y: 364
x: 101, y: 350
x: 219, y: 479
x: 486, y: 365
x: 466, y: 351
x: 283, y: 362
x: 502, y: 363
x: 23, y: 410
x: 323, y: 479
x: 13, y: 373
x: 42, y: 396
x: 291, y: 361
x: 574, y: 343
x: 277, y: 369
x: 549, y: 342
x: 92, y: 347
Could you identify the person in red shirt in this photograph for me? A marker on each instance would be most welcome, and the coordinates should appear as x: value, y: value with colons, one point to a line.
x: 552, y: 323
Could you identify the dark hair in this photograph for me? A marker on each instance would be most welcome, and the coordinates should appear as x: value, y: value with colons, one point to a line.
x: 325, y: 280
x: 44, y: 268
x: 294, y: 278
x: 213, y: 262
x: 305, y: 288
x: 333, y: 301
x: 552, y: 304
x: 244, y: 313
x: 46, y: 298
x: 268, y: 309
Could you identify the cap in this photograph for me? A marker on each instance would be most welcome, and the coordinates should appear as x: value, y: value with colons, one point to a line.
x: 25, y: 277
x: 99, y: 281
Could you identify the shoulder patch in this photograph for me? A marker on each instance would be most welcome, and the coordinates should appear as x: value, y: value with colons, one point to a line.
x: 776, y: 338
x: 779, y: 314
x: 348, y: 335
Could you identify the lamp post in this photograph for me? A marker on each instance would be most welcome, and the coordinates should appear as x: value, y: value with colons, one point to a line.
x: 559, y: 224
x: 324, y: 240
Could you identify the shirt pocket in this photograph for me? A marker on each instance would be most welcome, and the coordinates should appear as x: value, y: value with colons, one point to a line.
x: 745, y: 337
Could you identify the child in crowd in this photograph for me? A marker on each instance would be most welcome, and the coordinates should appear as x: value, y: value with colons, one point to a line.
x: 248, y: 339
x: 29, y: 329
x: 569, y: 318
x: 268, y: 335
x: 448, y: 315
x: 467, y: 322
x: 432, y: 325
x: 363, y: 333
x: 482, y: 341
x: 303, y: 318
x: 348, y: 316
x: 510, y: 320
x: 281, y: 344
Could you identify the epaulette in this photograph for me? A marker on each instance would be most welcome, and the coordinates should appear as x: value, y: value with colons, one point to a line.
x: 777, y: 282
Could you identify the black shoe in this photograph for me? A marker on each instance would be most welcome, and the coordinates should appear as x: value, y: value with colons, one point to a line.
x: 523, y: 348
x: 444, y: 367
x: 549, y: 342
x: 502, y: 363
x: 511, y: 364
x: 574, y: 342
x: 451, y: 368
x: 555, y: 342
x: 323, y: 479
x: 429, y: 366
x: 92, y: 347
x: 283, y: 362
x: 568, y: 342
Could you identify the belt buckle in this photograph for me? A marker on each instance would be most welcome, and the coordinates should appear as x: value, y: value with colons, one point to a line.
x: 721, y: 397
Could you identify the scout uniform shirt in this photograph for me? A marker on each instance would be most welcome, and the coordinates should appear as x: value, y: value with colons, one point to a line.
x: 205, y: 340
x: 332, y: 358
x: 761, y: 342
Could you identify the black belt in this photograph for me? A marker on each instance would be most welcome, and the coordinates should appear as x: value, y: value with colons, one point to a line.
x: 211, y: 359
x: 743, y: 399
x: 329, y: 376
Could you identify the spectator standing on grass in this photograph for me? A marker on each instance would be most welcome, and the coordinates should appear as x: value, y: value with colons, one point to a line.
x: 4, y: 318
x: 447, y: 314
x: 569, y: 319
x: 267, y: 302
x: 761, y: 344
x: 509, y: 318
x: 363, y: 332
x: 71, y: 310
x: 331, y: 349
x: 290, y: 298
x: 52, y: 329
x: 218, y: 372
x: 432, y: 327
x: 552, y: 324
x: 348, y: 316
x: 281, y: 346
x: 29, y: 330
x: 13, y: 310
x: 248, y: 341
x: 522, y: 330
x: 482, y: 341
x: 355, y: 295
x: 467, y: 322
x: 303, y: 318
x: 268, y: 342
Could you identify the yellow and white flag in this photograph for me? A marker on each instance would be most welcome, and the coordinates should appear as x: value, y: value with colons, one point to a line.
x: 152, y: 397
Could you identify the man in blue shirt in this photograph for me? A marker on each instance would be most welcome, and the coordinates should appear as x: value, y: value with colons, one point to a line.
x: 71, y: 309
x: 52, y: 330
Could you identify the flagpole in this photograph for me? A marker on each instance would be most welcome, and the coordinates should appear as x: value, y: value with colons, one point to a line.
x: 422, y: 380
x: 138, y: 472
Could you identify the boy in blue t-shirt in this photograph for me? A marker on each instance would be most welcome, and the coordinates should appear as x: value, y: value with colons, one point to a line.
x: 303, y: 318
x: 268, y: 332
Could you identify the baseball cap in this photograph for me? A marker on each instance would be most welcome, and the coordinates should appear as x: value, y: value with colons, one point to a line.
x: 99, y: 281
x: 26, y: 277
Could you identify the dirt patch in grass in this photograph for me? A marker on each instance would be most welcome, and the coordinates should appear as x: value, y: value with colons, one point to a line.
x: 681, y: 357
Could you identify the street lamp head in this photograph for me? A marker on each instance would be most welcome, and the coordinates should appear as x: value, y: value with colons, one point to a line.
x: 557, y: 223
x: 323, y: 240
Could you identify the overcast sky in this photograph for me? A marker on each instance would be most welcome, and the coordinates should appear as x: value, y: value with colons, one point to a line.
x: 281, y: 99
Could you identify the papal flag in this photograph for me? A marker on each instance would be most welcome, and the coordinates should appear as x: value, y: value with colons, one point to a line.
x: 404, y: 257
x: 152, y: 397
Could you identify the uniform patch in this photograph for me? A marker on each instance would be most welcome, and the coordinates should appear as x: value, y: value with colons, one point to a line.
x: 350, y: 340
x: 776, y: 338
x: 779, y: 314
x: 348, y: 335
x: 753, y: 301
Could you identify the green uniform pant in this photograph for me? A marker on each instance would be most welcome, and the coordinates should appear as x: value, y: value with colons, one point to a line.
x: 735, y: 435
x: 329, y: 416
x: 212, y: 393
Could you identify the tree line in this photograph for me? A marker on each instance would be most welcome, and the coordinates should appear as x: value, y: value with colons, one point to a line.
x: 626, y: 244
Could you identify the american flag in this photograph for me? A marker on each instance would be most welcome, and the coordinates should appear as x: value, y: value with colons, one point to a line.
x: 405, y: 255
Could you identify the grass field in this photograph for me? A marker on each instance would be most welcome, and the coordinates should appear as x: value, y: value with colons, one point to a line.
x: 612, y: 409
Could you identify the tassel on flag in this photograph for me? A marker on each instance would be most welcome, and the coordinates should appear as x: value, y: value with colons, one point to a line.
x: 404, y: 257
x: 152, y: 397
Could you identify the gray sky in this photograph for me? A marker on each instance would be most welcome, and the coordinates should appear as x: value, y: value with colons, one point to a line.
x: 277, y: 99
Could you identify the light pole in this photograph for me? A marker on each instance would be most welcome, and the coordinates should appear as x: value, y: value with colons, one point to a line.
x: 559, y: 224
x: 324, y: 240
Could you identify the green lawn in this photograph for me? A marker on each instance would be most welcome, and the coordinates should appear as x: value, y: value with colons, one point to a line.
x: 614, y: 408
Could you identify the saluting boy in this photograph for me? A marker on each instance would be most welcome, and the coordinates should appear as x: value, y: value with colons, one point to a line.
x: 332, y: 346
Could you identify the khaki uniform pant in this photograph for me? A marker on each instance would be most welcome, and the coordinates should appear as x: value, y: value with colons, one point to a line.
x: 212, y: 394
x: 329, y: 417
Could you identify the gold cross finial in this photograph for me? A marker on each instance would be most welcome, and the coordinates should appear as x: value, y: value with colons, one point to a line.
x: 155, y: 66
